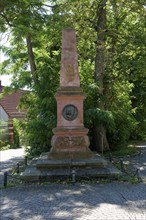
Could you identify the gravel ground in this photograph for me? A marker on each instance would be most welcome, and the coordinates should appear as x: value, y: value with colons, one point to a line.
x: 94, y: 201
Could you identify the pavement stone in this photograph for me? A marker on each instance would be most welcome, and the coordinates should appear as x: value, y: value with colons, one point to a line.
x: 9, y: 159
x: 94, y: 201
x: 117, y: 201
x: 138, y: 161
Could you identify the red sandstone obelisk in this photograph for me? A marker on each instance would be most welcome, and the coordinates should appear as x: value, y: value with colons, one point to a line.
x: 70, y: 138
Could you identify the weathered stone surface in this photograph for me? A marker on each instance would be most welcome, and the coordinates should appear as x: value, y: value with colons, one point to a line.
x: 70, y: 154
x: 70, y: 147
x: 69, y: 75
x: 48, y: 169
x: 71, y: 142
x: 70, y: 138
x: 96, y: 161
x: 70, y: 131
x: 64, y: 100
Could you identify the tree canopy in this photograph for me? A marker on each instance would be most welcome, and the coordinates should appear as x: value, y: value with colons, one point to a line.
x: 111, y: 41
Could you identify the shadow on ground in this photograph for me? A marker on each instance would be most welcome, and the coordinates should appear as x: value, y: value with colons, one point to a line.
x: 118, y: 201
x: 9, y: 159
x: 55, y: 201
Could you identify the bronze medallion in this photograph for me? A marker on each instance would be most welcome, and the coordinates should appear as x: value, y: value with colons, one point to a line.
x: 70, y: 112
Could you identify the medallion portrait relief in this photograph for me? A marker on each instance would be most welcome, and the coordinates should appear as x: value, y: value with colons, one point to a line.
x: 70, y: 112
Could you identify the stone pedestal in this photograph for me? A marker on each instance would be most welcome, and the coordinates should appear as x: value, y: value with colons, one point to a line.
x: 70, y: 138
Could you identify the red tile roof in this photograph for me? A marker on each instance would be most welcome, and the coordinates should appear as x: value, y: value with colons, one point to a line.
x: 10, y: 102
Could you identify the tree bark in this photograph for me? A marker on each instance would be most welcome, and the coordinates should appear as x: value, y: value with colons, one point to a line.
x: 99, y: 131
x: 31, y: 59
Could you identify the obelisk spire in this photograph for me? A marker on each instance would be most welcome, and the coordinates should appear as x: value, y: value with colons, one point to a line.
x: 69, y: 75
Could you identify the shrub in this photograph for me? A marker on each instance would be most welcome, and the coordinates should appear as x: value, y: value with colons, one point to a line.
x: 16, y: 133
x: 3, y: 131
x: 41, y: 119
x: 125, y: 124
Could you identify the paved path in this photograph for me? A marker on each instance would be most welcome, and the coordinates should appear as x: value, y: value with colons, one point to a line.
x: 111, y: 201
x: 138, y: 161
x: 8, y: 159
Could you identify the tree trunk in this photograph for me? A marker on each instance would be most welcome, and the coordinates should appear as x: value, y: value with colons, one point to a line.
x: 99, y: 132
x: 99, y: 138
x: 31, y: 59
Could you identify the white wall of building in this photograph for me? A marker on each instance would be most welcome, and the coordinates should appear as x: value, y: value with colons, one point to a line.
x: 3, y: 115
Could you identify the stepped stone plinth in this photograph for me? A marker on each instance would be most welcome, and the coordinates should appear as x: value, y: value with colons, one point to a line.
x: 44, y: 169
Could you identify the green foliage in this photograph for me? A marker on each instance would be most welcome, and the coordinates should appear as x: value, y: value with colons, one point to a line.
x: 125, y: 150
x: 4, y: 145
x: 124, y: 126
x: 39, y: 124
x: 38, y: 137
x: 41, y: 105
x: 119, y: 119
x: 100, y: 117
x: 122, y: 101
x: 16, y: 133
x: 3, y: 131
x: 4, y: 136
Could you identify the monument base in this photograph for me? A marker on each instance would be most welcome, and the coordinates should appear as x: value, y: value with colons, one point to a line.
x: 70, y: 143
x: 44, y: 169
x: 69, y: 155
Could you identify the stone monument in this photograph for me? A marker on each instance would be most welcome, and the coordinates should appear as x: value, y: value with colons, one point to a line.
x: 70, y: 143
x: 70, y: 138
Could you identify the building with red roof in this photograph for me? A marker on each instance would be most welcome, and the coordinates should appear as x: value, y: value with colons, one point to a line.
x: 9, y: 108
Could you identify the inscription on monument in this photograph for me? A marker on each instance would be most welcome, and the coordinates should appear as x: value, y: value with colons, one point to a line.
x: 69, y: 73
x: 71, y: 141
x: 70, y: 112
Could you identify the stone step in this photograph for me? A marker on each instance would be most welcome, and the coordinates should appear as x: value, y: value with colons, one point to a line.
x: 46, y: 169
x: 33, y: 174
x: 44, y: 163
